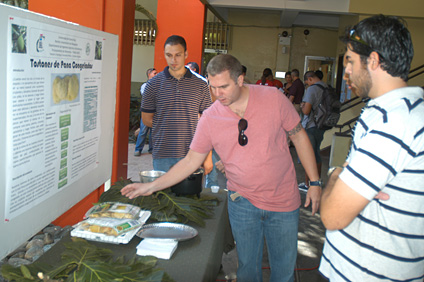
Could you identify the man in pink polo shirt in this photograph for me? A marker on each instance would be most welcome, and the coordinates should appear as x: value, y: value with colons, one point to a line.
x: 248, y: 129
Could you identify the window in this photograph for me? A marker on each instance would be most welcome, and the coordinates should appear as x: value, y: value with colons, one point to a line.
x: 217, y: 36
x: 144, y: 32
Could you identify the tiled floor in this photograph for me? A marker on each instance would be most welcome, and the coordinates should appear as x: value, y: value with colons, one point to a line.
x: 311, y: 230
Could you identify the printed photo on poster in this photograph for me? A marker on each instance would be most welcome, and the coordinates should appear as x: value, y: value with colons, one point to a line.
x: 65, y: 88
x: 19, y: 42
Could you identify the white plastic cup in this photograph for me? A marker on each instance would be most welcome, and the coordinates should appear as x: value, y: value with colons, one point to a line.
x: 215, y: 189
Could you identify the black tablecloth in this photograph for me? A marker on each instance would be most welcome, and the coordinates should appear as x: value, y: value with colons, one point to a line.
x: 197, y: 259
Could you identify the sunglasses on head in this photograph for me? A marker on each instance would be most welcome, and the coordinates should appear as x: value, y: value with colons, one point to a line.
x: 355, y: 37
x: 242, y: 126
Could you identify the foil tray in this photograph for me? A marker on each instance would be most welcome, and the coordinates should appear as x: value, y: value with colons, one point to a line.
x: 167, y: 230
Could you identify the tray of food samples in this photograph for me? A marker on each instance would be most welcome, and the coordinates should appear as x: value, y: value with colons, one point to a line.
x: 111, y: 222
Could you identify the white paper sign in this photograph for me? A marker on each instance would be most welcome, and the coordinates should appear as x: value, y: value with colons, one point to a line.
x: 53, y: 129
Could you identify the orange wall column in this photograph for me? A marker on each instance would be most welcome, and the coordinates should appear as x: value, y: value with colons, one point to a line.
x: 117, y: 17
x: 180, y: 17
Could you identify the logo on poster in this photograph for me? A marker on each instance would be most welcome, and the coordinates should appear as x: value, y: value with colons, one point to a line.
x: 87, y: 49
x: 39, y: 45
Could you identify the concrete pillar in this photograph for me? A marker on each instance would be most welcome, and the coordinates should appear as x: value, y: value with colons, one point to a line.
x: 180, y: 17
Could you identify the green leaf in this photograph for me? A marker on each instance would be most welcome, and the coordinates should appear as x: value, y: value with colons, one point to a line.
x: 25, y: 272
x: 166, y: 206
x: 84, y: 262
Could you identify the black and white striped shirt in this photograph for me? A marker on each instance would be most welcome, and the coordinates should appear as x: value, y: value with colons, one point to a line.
x: 385, y: 242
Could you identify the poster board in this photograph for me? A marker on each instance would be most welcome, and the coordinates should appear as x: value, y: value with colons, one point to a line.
x: 57, y: 111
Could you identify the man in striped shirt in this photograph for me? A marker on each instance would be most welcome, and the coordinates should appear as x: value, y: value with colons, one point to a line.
x: 171, y: 105
x: 373, y: 207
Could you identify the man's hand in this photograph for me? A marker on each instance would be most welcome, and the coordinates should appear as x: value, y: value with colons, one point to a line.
x: 382, y: 196
x: 220, y: 166
x: 314, y: 196
x: 137, y: 189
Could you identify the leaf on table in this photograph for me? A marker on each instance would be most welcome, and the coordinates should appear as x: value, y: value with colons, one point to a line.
x: 165, y: 205
x: 80, y: 263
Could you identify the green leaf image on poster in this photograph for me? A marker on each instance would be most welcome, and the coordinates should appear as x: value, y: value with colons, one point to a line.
x: 19, y: 39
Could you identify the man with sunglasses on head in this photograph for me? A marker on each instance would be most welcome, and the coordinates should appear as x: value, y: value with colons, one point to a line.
x: 373, y: 207
x: 247, y: 127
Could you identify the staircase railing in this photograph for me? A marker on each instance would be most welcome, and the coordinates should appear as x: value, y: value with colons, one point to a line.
x: 416, y: 72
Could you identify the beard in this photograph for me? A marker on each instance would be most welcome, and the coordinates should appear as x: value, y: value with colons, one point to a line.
x: 361, y: 85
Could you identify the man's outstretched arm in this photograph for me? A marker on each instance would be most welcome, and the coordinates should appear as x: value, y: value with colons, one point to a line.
x: 176, y: 174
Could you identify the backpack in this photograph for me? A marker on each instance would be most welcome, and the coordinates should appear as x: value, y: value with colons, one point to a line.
x: 327, y: 114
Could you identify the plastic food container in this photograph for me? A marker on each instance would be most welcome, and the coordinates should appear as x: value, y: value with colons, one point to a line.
x: 215, y: 189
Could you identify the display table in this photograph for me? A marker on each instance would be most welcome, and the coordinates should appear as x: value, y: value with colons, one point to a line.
x: 197, y: 259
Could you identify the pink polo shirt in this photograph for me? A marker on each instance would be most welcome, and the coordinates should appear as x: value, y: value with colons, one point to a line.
x: 263, y: 170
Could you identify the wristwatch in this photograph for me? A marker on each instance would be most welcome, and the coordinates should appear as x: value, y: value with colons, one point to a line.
x: 315, y: 183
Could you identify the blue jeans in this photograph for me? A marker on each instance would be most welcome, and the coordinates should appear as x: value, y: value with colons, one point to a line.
x: 315, y: 136
x: 141, y: 139
x: 250, y: 226
x: 164, y: 164
x: 212, y: 177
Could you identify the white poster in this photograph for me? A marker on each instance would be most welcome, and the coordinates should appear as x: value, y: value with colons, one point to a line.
x: 53, y: 129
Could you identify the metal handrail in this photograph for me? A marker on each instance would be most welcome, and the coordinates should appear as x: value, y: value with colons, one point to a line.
x: 350, y: 106
x: 347, y: 123
x: 415, y: 70
x: 417, y: 74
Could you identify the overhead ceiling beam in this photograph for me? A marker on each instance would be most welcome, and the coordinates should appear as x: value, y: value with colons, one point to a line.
x: 213, y: 10
x: 288, y: 17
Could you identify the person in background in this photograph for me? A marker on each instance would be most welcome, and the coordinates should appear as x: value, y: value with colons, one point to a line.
x: 373, y: 206
x: 247, y: 126
x: 319, y: 74
x: 288, y: 83
x: 296, y: 91
x: 218, y: 168
x: 265, y: 79
x: 309, y: 106
x: 171, y: 105
x: 212, y: 177
x: 194, y: 67
x: 144, y: 130
x: 246, y: 79
x: 276, y: 82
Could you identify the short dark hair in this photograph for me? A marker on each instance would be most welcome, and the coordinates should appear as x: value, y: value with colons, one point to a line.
x: 149, y: 71
x: 244, y: 69
x: 288, y: 73
x: 386, y: 35
x: 195, y: 66
x: 319, y: 74
x: 225, y: 62
x: 175, y: 40
x: 267, y: 72
x: 295, y: 72
x: 309, y: 74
